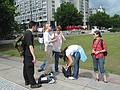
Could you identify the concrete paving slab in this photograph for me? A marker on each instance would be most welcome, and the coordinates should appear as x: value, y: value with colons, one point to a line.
x: 4, y: 67
x: 11, y: 70
x: 8, y: 85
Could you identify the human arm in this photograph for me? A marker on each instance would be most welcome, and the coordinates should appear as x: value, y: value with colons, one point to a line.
x: 32, y: 52
x: 48, y: 39
x: 70, y: 61
x: 103, y: 47
x: 63, y: 38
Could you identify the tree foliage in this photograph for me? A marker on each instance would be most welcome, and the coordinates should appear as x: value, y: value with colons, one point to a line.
x: 7, y: 14
x: 115, y: 21
x: 67, y: 14
x: 99, y: 19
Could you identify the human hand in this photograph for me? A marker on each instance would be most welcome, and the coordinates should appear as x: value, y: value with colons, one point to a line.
x: 97, y: 52
x: 34, y: 60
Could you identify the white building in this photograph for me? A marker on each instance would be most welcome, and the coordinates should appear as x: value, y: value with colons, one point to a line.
x: 42, y: 10
x: 95, y: 10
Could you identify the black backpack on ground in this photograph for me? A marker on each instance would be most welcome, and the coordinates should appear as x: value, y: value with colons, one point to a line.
x: 67, y: 72
x: 43, y: 79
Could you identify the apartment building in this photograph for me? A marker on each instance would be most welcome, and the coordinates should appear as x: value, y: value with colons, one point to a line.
x: 42, y: 11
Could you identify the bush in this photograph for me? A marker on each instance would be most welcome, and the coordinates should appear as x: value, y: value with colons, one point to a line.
x: 115, y: 30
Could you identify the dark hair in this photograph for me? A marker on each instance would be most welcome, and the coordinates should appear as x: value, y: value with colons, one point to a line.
x: 41, y: 35
x: 32, y: 23
x: 63, y: 54
x: 98, y: 33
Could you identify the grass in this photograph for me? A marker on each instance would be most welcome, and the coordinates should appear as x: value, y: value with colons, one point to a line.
x: 112, y: 61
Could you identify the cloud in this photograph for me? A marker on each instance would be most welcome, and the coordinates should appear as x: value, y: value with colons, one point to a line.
x: 111, y: 6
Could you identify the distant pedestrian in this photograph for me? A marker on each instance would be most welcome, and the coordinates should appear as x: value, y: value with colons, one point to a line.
x: 40, y: 39
x: 98, y: 56
x: 29, y: 57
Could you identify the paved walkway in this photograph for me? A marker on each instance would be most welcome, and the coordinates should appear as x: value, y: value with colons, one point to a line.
x: 11, y: 78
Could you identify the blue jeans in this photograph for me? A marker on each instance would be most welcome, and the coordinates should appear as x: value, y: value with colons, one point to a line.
x: 99, y: 62
x: 41, y: 44
x: 56, y: 56
x: 43, y: 65
x: 76, y: 56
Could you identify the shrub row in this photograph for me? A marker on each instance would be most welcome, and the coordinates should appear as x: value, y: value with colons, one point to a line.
x: 115, y: 30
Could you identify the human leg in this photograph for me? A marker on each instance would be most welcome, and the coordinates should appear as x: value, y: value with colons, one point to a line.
x: 76, y: 65
x: 25, y: 75
x: 48, y: 67
x: 41, y: 44
x: 29, y: 67
x: 56, y: 60
x: 42, y: 67
x: 95, y: 63
x: 102, y: 70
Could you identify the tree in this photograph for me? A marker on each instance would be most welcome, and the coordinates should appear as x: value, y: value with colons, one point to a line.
x: 67, y: 14
x: 7, y: 14
x: 115, y: 21
x: 99, y: 19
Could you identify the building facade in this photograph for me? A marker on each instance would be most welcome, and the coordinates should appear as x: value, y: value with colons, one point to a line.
x: 42, y: 11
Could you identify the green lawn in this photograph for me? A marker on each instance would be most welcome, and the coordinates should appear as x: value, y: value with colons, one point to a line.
x: 112, y: 61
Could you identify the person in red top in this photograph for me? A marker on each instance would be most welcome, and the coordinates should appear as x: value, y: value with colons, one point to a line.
x: 97, y: 55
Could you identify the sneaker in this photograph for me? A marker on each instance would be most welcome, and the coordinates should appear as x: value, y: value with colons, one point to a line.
x: 71, y: 78
x: 50, y: 74
x: 40, y: 69
x: 36, y: 85
x: 52, y: 81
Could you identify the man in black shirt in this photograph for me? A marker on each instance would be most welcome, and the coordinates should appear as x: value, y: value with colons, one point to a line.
x: 29, y: 57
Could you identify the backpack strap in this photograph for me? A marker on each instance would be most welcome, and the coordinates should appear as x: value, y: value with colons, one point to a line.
x: 97, y: 43
x: 101, y: 43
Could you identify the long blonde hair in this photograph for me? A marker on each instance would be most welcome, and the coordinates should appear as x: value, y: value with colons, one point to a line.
x: 46, y: 26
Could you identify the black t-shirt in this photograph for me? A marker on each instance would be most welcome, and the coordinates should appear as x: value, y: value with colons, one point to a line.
x: 28, y: 40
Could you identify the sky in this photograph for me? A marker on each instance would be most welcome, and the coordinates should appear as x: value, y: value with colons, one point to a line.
x: 111, y: 6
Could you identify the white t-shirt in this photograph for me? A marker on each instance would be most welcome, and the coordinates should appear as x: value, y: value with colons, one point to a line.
x: 57, y: 45
x: 47, y: 38
x: 71, y: 49
x: 40, y: 40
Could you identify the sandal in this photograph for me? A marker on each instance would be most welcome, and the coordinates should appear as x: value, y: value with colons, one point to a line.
x: 97, y: 79
x: 105, y: 81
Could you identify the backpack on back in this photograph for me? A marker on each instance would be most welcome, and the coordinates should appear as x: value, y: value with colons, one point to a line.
x: 105, y: 53
x: 19, y: 44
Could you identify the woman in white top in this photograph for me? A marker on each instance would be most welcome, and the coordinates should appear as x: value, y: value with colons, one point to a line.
x: 56, y: 48
x: 77, y: 53
x: 48, y: 48
x: 40, y: 39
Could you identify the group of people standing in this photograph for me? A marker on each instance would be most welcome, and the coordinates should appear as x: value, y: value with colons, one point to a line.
x: 71, y: 54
